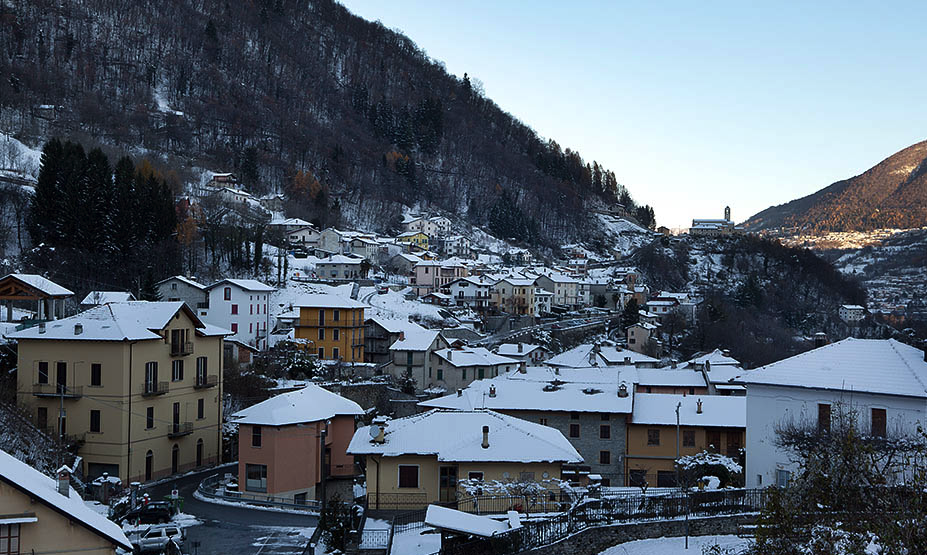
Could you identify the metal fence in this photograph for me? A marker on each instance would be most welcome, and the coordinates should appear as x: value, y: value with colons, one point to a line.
x: 213, y: 488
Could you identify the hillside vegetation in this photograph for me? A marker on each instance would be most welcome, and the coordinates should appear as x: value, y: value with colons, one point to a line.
x: 298, y: 96
x: 891, y: 194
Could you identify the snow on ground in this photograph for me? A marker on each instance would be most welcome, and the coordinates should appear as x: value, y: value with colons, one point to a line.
x: 161, y: 99
x: 394, y: 306
x: 416, y: 542
x: 677, y: 546
x: 18, y: 159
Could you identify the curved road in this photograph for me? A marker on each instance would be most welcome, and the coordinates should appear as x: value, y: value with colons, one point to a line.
x: 228, y: 529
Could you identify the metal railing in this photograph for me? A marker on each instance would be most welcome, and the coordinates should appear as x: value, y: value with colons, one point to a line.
x: 213, y: 488
x: 179, y: 429
x: 397, y: 501
x: 181, y: 348
x: 374, y: 539
x: 203, y: 382
x: 57, y: 390
x: 155, y: 388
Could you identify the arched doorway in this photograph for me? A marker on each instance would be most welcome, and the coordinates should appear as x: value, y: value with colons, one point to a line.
x: 175, y: 458
x: 199, y: 452
x: 149, y: 464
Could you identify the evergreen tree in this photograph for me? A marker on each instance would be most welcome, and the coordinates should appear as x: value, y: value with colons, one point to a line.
x: 46, y: 202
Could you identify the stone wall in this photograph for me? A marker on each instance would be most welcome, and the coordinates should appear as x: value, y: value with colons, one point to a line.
x: 593, y: 541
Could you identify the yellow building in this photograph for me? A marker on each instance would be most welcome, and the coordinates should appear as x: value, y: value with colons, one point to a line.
x: 422, y: 459
x: 712, y: 423
x: 39, y: 514
x: 332, y: 327
x: 137, y: 385
x: 416, y: 238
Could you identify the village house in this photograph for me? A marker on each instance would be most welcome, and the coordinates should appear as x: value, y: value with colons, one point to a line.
x: 852, y: 313
x: 471, y: 292
x: 96, y: 298
x: 340, y: 266
x: 334, y: 241
x: 590, y: 355
x: 414, y: 238
x: 452, y: 245
x: 721, y: 371
x: 639, y: 337
x: 411, y: 355
x: 380, y: 334
x: 431, y: 276
x: 366, y: 248
x: 711, y: 423
x: 305, y: 236
x: 530, y: 355
x: 292, y: 427
x: 331, y: 327
x: 158, y: 358
x: 404, y: 263
x: 589, y: 407
x: 48, y: 296
x: 180, y: 288
x: 516, y: 295
x: 240, y: 305
x: 881, y: 379
x: 455, y: 368
x: 565, y: 288
x: 671, y: 381
x: 414, y: 461
x: 286, y: 226
x: 40, y: 514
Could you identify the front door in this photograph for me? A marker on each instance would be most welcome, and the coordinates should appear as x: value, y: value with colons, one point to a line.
x: 176, y: 427
x: 447, y: 484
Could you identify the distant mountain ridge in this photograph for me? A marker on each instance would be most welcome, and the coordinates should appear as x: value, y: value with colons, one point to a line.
x: 891, y: 194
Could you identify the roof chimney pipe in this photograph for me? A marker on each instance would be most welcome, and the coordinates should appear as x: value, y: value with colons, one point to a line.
x: 698, y: 407
x: 492, y: 390
x: 78, y: 328
x: 460, y: 392
x: 485, y: 444
x: 64, y: 481
x: 623, y: 390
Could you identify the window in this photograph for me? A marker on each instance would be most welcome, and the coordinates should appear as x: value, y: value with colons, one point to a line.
x: 878, y: 422
x: 408, y: 476
x: 574, y: 430
x: 9, y: 539
x: 823, y: 417
x: 440, y: 373
x: 336, y: 315
x: 234, y: 309
x: 336, y: 334
x: 96, y: 374
x: 759, y: 479
x: 201, y: 370
x: 605, y: 457
x: 200, y: 409
x: 475, y: 476
x: 149, y: 418
x: 250, y: 327
x: 543, y: 421
x: 173, y: 287
x: 321, y: 316
x: 94, y: 421
x: 605, y: 432
x: 335, y: 353
x: 255, y: 436
x: 234, y: 327
x: 227, y: 293
x: 321, y: 352
x: 151, y: 377
x: 526, y: 476
x: 666, y: 479
x: 691, y: 391
x: 481, y: 373
x: 250, y: 309
x: 321, y: 334
x: 41, y: 418
x: 688, y: 438
x: 43, y: 372
x: 782, y: 478
x: 463, y: 374
x: 256, y: 477
x: 653, y: 437
x: 177, y: 370
x: 409, y: 358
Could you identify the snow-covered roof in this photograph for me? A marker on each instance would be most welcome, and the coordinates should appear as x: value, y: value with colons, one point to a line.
x: 645, y: 325
x: 246, y: 284
x: 186, y: 280
x: 44, y: 488
x: 718, y: 411
x: 577, y: 357
x: 473, y: 356
x: 340, y: 259
x: 511, y: 349
x: 103, y: 297
x: 557, y: 277
x: 670, y: 378
x: 472, y: 280
x: 562, y: 393
x: 852, y: 307
x: 617, y: 355
x: 445, y: 518
x: 327, y: 300
x: 517, y: 281
x: 43, y: 285
x: 132, y: 321
x: 290, y: 222
x: 883, y: 366
x: 716, y: 358
x: 396, y: 326
x: 415, y: 340
x: 409, y: 257
x: 309, y: 404
x: 458, y: 435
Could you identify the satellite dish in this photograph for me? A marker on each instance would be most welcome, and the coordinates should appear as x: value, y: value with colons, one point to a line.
x: 374, y: 432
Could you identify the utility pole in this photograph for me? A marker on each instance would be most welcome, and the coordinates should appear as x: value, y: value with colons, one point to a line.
x: 678, y: 406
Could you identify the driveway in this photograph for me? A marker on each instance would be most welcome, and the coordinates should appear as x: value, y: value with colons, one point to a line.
x: 226, y: 529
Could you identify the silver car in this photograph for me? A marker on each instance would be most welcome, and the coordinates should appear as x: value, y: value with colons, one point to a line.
x: 156, y: 538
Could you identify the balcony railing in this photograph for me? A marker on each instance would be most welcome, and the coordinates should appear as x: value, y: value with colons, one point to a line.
x: 180, y: 429
x: 155, y: 388
x: 181, y: 348
x: 202, y: 305
x: 202, y: 382
x: 55, y: 390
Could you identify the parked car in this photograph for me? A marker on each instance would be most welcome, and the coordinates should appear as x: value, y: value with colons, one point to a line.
x: 156, y: 538
x: 382, y: 289
x: 156, y: 512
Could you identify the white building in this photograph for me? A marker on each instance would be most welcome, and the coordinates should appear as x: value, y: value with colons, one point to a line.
x: 339, y: 266
x: 239, y: 305
x: 852, y: 313
x: 308, y: 236
x: 472, y: 292
x: 884, y: 380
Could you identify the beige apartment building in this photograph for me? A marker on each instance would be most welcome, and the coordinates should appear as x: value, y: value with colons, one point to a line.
x: 137, y: 385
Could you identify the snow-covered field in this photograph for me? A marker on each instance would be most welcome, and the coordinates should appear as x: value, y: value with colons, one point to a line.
x: 677, y: 546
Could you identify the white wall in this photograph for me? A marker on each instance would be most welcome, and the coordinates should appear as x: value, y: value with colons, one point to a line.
x: 252, y: 314
x: 767, y: 406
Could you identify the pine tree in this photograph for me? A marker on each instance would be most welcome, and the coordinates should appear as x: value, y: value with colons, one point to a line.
x: 45, y: 204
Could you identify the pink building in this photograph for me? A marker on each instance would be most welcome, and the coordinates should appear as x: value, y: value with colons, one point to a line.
x: 280, y: 443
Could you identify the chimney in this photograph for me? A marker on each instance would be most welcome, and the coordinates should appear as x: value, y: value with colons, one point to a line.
x: 492, y: 390
x: 623, y: 390
x: 698, y: 407
x: 523, y: 368
x: 78, y: 328
x: 520, y: 347
x: 41, y: 327
x: 449, y: 353
x: 485, y: 444
x: 726, y: 353
x: 673, y: 364
x: 381, y: 423
x: 627, y: 361
x: 402, y: 336
x: 708, y: 366
x: 460, y: 392
x: 64, y: 481
x: 820, y: 339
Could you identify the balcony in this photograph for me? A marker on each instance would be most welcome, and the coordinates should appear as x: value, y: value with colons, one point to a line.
x: 150, y: 389
x: 182, y: 348
x: 54, y: 390
x: 179, y: 429
x: 202, y: 305
x: 202, y: 382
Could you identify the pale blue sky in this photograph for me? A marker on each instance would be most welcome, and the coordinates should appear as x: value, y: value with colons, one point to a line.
x: 693, y: 105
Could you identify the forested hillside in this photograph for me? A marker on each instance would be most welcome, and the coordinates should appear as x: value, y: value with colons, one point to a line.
x: 349, y: 118
x: 891, y: 194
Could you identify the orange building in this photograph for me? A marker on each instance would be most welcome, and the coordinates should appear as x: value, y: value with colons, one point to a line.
x: 333, y: 326
x: 280, y: 443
